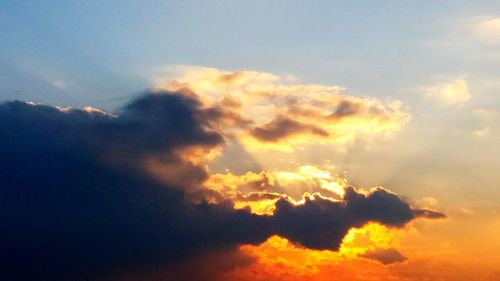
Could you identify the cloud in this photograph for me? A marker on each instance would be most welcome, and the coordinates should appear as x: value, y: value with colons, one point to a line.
x: 455, y: 93
x: 488, y: 30
x: 266, y: 187
x: 263, y: 110
x: 384, y: 256
x: 87, y: 194
x: 75, y: 200
x: 212, y: 266
x: 299, y: 223
x: 283, y: 127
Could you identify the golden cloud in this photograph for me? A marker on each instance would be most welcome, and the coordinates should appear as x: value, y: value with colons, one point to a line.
x: 260, y: 191
x: 263, y: 110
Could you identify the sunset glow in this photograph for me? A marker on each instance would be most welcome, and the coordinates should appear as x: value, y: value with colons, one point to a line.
x: 274, y: 140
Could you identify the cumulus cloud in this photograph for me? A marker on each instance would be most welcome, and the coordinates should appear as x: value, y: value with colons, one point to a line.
x: 264, y: 110
x: 455, y: 93
x: 89, y: 194
x: 75, y: 200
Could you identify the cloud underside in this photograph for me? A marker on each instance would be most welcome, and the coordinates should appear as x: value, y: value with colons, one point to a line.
x: 87, y: 194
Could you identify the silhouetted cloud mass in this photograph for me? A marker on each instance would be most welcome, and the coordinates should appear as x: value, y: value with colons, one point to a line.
x: 321, y: 223
x: 78, y: 202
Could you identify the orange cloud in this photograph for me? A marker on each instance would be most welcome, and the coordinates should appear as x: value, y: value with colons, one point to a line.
x: 260, y: 191
x: 278, y: 259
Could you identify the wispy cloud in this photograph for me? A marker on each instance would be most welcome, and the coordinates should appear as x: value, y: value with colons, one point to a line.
x: 455, y: 93
x: 488, y: 30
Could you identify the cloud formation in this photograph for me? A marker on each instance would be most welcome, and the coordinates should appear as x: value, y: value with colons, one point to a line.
x: 76, y: 199
x: 266, y: 187
x: 263, y: 110
x: 88, y: 194
x: 455, y: 93
x: 299, y: 223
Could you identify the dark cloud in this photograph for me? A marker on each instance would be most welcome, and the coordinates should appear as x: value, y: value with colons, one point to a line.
x: 384, y: 256
x: 283, y: 127
x: 430, y: 214
x: 206, y: 266
x: 77, y: 203
x: 68, y: 208
x: 321, y: 223
x: 162, y: 121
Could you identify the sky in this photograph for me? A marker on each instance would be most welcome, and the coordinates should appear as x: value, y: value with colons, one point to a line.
x: 262, y: 140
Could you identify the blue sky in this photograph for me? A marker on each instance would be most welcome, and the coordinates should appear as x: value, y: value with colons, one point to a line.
x: 104, y: 50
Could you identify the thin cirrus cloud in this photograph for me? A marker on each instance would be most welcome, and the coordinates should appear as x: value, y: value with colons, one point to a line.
x: 87, y: 194
x: 264, y: 110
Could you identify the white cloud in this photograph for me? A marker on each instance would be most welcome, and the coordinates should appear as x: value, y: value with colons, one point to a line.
x: 488, y: 30
x: 455, y: 93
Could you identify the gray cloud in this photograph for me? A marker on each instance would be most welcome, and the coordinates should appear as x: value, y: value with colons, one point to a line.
x: 384, y: 256
x: 283, y: 127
